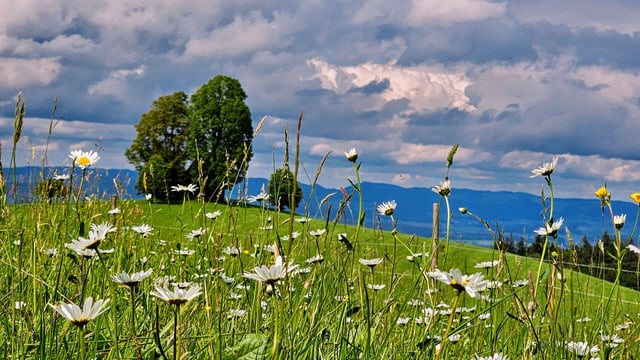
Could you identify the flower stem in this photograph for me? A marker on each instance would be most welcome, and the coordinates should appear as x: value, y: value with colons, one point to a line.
x: 176, y: 335
x: 445, y: 337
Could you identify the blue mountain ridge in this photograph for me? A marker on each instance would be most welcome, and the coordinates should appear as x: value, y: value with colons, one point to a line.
x: 513, y: 213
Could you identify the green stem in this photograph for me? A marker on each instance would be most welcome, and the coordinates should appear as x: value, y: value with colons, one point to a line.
x: 176, y: 335
x: 133, y: 310
x: 445, y: 337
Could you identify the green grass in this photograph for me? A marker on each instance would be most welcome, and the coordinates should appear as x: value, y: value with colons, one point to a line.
x: 327, y: 313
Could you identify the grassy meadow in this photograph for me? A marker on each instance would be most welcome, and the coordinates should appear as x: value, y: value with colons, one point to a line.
x: 84, y: 277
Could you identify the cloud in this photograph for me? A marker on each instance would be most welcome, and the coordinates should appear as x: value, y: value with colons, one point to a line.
x: 17, y: 73
x: 425, y: 88
x: 423, y: 11
x: 116, y: 83
x: 244, y: 35
x: 408, y: 153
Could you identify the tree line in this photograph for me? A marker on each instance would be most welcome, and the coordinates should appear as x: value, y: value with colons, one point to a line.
x: 595, y: 259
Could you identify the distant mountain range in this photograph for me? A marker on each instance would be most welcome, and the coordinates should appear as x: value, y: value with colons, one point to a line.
x: 513, y: 213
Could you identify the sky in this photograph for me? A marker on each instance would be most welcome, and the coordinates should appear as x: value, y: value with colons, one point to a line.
x: 514, y: 83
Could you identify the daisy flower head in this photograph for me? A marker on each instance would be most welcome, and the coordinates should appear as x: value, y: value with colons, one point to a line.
x: 376, y: 287
x: 213, y: 215
x: 62, y: 177
x: 545, y: 169
x: 178, y: 296
x: 81, y: 316
x: 303, y: 220
x: 387, y: 208
x: 487, y: 264
x: 231, y: 251
x: 195, y: 234
x: 101, y: 230
x: 84, y: 159
x: 144, y: 230
x: 635, y: 197
x: 131, y: 280
x: 192, y: 188
x: 581, y: 348
x: 496, y: 356
x: 351, y: 155
x: 19, y: 305
x: 550, y: 229
x: 294, y: 235
x: 618, y: 221
x: 261, y: 197
x: 444, y: 188
x: 315, y: 260
x: 370, y: 262
x: 270, y: 274
x: 83, y: 243
x: 317, y: 232
x: 471, y: 284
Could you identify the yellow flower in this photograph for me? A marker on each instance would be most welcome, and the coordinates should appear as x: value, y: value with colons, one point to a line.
x: 602, y: 193
x: 635, y: 197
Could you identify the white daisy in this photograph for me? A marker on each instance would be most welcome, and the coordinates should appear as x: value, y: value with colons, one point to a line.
x: 471, y: 284
x: 387, y: 208
x: 213, y: 215
x: 272, y: 274
x: 192, y: 188
x: 351, y: 155
x: 195, y: 234
x: 144, y: 230
x: 371, y: 262
x: 81, y: 316
x: 444, y: 188
x: 84, y: 159
x: 178, y: 296
x: 131, y: 280
x: 545, y: 169
x: 581, y: 348
x: 550, y: 230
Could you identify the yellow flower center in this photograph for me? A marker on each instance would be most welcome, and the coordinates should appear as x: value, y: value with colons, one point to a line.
x: 83, y: 161
x: 635, y: 197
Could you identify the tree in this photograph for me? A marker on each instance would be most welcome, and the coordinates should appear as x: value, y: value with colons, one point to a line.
x: 159, y: 150
x: 50, y: 189
x: 281, y: 187
x: 220, y: 135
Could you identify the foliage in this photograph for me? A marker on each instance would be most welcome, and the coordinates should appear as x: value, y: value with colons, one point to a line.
x: 159, y: 150
x: 50, y: 189
x: 280, y: 189
x: 220, y: 134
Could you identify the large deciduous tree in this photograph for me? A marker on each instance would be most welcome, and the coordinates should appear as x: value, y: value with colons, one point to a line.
x: 220, y: 135
x: 159, y: 150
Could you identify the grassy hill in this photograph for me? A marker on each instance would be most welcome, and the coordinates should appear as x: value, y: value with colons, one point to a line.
x: 334, y: 308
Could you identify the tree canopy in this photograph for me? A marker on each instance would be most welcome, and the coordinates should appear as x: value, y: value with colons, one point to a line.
x: 280, y: 189
x: 206, y: 140
x: 159, y: 150
x: 220, y: 134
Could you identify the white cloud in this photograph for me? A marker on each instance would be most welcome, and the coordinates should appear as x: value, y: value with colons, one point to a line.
x: 116, y: 83
x: 615, y: 15
x: 426, y: 88
x: 246, y: 34
x: 449, y: 11
x: 407, y: 154
x: 17, y: 73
